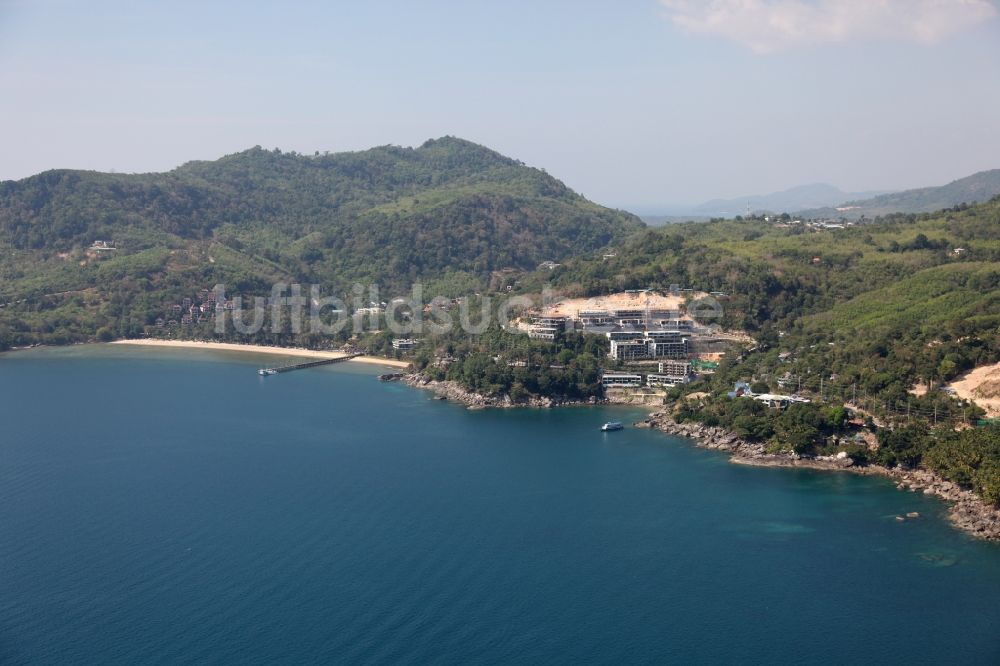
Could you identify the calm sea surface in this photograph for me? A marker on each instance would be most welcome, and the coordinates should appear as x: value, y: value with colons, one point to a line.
x: 173, y: 507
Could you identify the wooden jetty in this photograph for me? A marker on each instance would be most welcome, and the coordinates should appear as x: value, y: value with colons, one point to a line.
x: 263, y: 372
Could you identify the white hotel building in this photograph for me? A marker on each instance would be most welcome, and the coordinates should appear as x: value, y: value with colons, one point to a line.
x: 638, y: 345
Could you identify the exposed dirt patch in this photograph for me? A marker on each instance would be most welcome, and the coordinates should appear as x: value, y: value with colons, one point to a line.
x: 982, y: 386
x: 571, y: 306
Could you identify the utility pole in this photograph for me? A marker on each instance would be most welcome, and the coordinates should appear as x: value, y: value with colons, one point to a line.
x: 854, y: 394
x: 821, y: 388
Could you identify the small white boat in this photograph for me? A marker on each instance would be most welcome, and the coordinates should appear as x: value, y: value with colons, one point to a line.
x: 612, y: 425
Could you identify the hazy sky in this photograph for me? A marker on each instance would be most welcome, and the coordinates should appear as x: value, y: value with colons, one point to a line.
x: 642, y: 104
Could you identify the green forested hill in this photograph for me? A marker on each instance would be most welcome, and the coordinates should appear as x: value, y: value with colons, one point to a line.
x: 448, y: 205
x: 449, y: 210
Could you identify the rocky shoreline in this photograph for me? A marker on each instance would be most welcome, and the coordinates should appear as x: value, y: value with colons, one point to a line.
x: 455, y: 392
x: 968, y: 512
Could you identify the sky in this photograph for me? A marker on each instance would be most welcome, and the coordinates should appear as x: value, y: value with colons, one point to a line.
x: 648, y: 105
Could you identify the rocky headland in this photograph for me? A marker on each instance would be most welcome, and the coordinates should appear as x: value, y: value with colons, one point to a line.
x: 455, y: 392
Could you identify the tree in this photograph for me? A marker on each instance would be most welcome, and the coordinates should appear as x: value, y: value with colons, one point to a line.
x: 518, y: 393
x: 946, y: 369
x: 836, y: 417
x: 902, y: 446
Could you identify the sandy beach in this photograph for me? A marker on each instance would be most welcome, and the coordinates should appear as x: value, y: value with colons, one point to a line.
x: 261, y: 349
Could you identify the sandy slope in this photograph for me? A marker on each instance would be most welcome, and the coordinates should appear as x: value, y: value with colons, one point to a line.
x: 570, y: 306
x: 966, y: 387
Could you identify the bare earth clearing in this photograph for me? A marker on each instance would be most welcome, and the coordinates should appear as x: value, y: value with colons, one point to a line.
x: 622, y: 301
x: 982, y: 386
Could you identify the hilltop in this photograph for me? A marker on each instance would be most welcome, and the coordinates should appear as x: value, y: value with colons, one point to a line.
x: 447, y: 205
x: 449, y: 212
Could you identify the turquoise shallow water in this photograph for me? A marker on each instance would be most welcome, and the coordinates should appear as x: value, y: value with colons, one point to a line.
x: 173, y: 507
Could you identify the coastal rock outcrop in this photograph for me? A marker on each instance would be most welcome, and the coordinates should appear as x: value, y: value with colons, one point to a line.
x: 455, y: 392
x: 392, y: 377
x: 707, y: 437
x: 968, y: 511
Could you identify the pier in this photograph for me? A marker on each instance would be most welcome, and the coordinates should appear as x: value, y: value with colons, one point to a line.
x: 302, y: 366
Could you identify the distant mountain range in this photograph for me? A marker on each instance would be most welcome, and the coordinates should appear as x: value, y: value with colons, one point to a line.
x: 662, y: 220
x: 978, y: 187
x: 821, y: 200
x: 816, y: 195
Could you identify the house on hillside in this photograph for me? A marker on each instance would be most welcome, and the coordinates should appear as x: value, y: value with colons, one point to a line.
x: 547, y: 328
x: 594, y: 317
x: 773, y: 400
x: 677, y: 371
x: 620, y: 380
x: 740, y: 389
x: 637, y: 345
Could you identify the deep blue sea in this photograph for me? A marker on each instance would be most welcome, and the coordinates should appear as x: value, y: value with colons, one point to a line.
x: 172, y: 507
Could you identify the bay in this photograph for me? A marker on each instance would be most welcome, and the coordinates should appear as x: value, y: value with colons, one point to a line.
x: 174, y: 507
